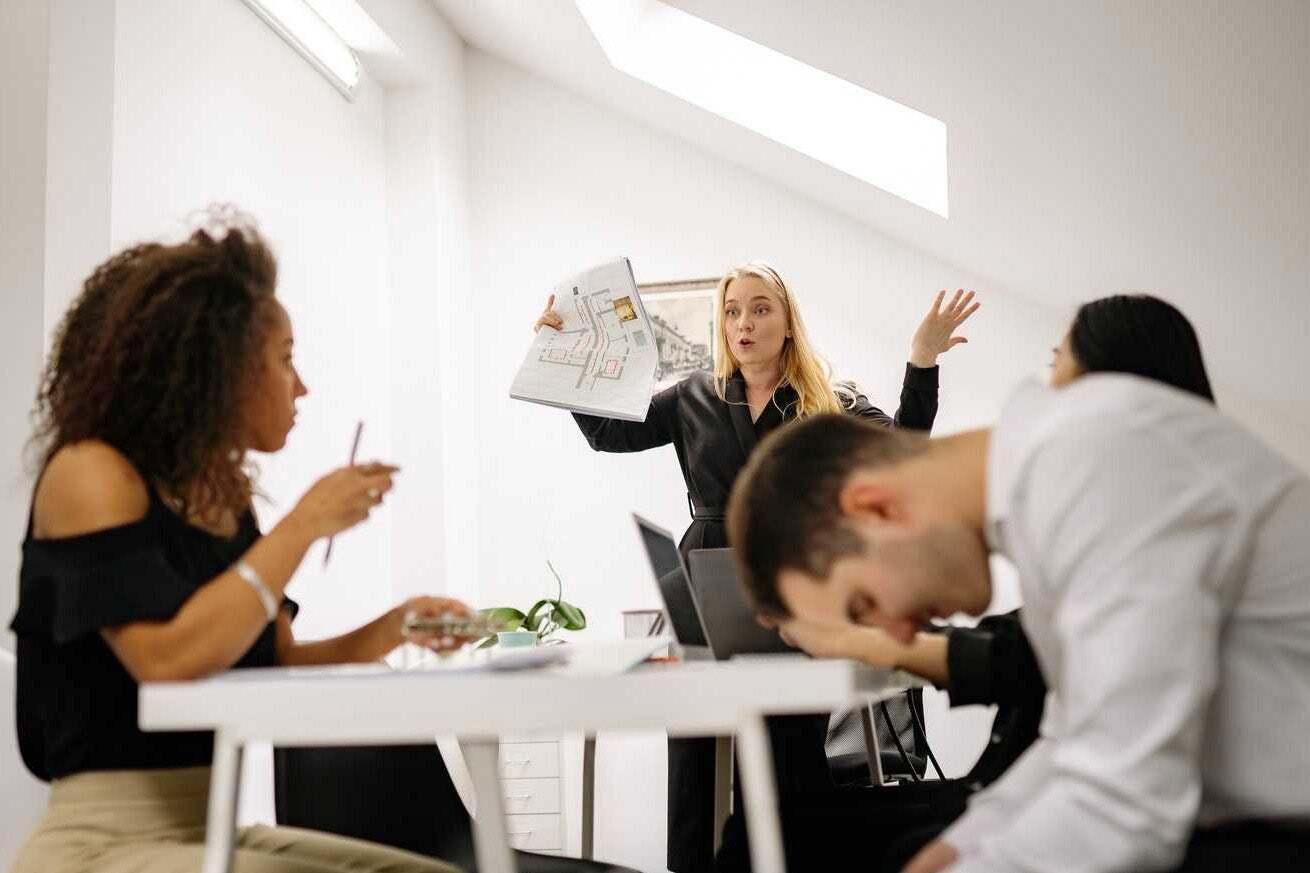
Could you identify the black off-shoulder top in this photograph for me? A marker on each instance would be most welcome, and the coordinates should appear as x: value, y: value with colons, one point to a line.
x: 76, y: 703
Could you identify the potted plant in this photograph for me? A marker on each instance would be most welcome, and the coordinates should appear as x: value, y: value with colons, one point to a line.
x: 544, y: 618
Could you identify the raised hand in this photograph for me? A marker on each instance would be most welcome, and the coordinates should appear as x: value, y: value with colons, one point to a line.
x: 549, y: 317
x: 936, y: 333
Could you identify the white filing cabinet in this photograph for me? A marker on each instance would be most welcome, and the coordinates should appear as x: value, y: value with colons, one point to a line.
x: 531, y: 788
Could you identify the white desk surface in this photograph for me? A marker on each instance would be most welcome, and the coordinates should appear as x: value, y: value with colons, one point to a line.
x: 366, y: 705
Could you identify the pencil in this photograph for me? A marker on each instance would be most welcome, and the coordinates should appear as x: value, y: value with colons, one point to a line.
x: 354, y: 449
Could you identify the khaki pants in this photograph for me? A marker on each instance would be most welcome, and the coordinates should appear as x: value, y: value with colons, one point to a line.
x: 153, y: 821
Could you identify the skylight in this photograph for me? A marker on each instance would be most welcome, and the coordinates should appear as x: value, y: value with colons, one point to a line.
x: 877, y: 140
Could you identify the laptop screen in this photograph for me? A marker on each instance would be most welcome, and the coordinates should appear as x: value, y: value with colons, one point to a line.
x: 675, y: 591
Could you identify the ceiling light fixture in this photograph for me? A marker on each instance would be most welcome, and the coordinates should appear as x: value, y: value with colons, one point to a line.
x: 877, y: 140
x: 305, y: 31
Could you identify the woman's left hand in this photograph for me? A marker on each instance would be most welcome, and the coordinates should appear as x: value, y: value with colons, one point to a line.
x: 434, y: 607
x: 936, y: 333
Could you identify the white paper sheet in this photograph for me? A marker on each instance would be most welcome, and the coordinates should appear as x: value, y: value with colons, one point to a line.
x: 603, y: 360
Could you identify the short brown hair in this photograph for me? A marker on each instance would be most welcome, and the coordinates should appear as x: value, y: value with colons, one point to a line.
x: 784, y: 512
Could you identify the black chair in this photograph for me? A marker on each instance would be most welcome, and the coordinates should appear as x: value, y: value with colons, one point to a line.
x: 894, y: 721
x: 881, y: 828
x: 399, y: 796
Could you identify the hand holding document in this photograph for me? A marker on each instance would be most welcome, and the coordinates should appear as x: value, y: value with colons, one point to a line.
x: 598, y: 356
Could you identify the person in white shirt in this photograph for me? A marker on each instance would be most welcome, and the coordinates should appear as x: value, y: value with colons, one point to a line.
x: 1165, y: 566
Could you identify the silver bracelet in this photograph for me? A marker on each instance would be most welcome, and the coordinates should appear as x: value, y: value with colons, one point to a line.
x: 247, y: 572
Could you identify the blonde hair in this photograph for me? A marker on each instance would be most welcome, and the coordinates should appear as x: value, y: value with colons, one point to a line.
x: 803, y: 369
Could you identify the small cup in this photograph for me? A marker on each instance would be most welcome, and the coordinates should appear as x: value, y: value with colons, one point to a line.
x: 516, y: 639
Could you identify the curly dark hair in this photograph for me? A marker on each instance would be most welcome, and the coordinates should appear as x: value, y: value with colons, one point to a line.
x: 156, y: 356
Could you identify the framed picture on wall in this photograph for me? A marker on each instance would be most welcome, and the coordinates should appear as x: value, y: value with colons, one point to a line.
x: 682, y: 317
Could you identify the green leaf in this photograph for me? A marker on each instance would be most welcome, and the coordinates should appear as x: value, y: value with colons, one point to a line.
x: 508, y: 616
x: 533, y: 620
x: 487, y: 643
x: 568, y: 616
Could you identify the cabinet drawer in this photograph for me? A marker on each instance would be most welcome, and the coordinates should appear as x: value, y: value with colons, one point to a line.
x: 530, y: 795
x: 535, y: 832
x: 529, y: 760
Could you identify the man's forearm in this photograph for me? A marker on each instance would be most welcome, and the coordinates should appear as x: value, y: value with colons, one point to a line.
x: 925, y: 656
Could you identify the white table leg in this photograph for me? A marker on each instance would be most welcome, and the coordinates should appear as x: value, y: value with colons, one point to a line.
x: 490, y: 835
x: 722, y: 787
x: 760, y: 793
x: 224, y: 787
x: 588, y: 797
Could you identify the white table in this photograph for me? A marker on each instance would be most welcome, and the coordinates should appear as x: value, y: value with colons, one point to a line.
x: 377, y: 706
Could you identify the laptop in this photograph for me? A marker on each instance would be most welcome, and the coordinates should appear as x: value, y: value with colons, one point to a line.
x: 725, y: 613
x: 675, y: 590
x: 710, y: 614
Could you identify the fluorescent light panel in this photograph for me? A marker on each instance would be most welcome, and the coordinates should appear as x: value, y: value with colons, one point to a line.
x: 306, y: 31
x: 877, y: 140
x: 355, y: 27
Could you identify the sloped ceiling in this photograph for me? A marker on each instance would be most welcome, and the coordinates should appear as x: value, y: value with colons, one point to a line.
x: 1094, y: 147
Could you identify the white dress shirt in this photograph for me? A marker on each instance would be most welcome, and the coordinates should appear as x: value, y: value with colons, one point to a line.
x: 1164, y: 557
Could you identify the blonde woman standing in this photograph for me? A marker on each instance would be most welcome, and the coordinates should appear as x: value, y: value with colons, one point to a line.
x: 766, y: 373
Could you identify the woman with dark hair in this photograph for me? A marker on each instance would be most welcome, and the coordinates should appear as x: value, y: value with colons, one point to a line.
x: 1136, y: 334
x: 143, y: 559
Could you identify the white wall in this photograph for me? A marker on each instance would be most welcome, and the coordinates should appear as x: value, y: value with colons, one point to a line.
x: 78, y: 148
x: 557, y: 183
x: 24, y: 44
x: 427, y: 207
x: 210, y: 106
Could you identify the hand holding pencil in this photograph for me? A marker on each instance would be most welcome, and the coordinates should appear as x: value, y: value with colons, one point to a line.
x: 354, y: 453
x: 343, y: 498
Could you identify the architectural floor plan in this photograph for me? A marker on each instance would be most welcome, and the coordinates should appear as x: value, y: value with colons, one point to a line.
x: 603, y: 360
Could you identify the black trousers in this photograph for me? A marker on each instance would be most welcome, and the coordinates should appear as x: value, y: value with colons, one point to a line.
x: 1267, y: 847
x: 1252, y: 845
x: 848, y: 828
x: 799, y: 763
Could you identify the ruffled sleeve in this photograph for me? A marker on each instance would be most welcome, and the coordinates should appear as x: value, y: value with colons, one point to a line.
x: 78, y: 585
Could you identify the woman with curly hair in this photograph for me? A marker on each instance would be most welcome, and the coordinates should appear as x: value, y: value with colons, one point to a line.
x: 143, y: 559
